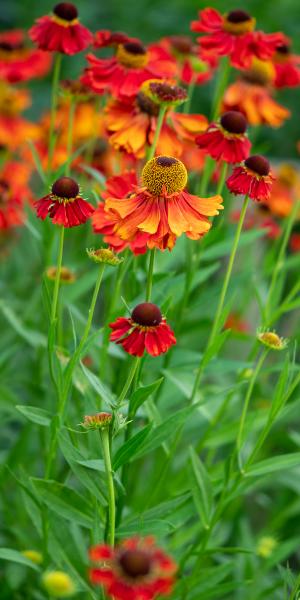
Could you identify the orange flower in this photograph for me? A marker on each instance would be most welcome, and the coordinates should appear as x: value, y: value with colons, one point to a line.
x: 251, y: 95
x: 14, y: 130
x: 285, y: 191
x: 162, y: 208
x: 14, y: 191
x: 131, y: 127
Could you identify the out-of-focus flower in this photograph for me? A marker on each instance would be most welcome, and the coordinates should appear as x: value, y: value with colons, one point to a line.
x: 104, y: 255
x: 118, y: 186
x: 135, y: 569
x: 272, y: 340
x: 235, y: 322
x: 253, y: 178
x: 66, y: 275
x: 123, y: 74
x: 131, y: 126
x: 62, y: 31
x: 285, y: 191
x: 287, y: 66
x: 14, y: 129
x: 265, y: 546
x: 33, y: 555
x: 162, y: 208
x: 234, y: 35
x: 146, y: 329
x: 64, y: 205
x: 101, y: 420
x: 14, y: 192
x: 190, y: 66
x: 58, y: 584
x: 18, y: 62
x: 294, y: 243
x: 226, y: 140
x: 259, y: 219
x: 251, y: 94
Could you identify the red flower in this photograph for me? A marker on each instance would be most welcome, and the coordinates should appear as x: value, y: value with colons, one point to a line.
x: 295, y: 242
x: 123, y: 74
x: 64, y: 205
x: 162, y: 208
x: 14, y: 191
x: 226, y: 140
x: 19, y: 63
x: 146, y: 330
x: 190, y: 66
x: 287, y: 67
x: 135, y: 570
x: 61, y: 32
x: 252, y: 178
x: 104, y: 222
x: 233, y: 34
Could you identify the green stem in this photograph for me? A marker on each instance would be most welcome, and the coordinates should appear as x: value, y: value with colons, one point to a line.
x: 280, y: 259
x: 216, y: 322
x: 208, y: 168
x: 57, y: 275
x: 191, y: 90
x: 128, y: 381
x: 221, y: 84
x: 104, y: 434
x: 70, y: 135
x: 159, y: 123
x: 54, y: 94
x: 222, y: 178
x: 252, y: 381
x: 150, y: 275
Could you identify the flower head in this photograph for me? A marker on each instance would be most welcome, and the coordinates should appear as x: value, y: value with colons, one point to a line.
x: 58, y: 584
x: 265, y: 546
x: 272, y: 340
x: 135, y: 569
x: 252, y: 178
x: 33, y: 555
x: 146, y: 329
x: 123, y: 74
x: 61, y: 32
x: 64, y: 204
x: 99, y: 421
x: 226, y: 140
x: 104, y: 255
x: 18, y: 62
x: 190, y: 66
x: 233, y: 34
x: 287, y: 66
x: 66, y: 275
x: 163, y: 93
x: 161, y: 208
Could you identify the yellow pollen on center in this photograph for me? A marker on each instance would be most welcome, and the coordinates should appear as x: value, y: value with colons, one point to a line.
x: 164, y: 173
x: 239, y: 28
x: 64, y: 22
x: 131, y: 59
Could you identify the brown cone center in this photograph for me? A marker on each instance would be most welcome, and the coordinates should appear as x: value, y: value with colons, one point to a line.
x: 166, y: 161
x: 134, y: 48
x: 65, y: 187
x: 238, y: 16
x: 135, y: 563
x: 146, y: 314
x: 234, y: 122
x: 66, y: 11
x: 259, y: 164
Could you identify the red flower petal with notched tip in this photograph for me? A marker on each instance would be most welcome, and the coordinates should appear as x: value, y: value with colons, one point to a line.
x: 246, y: 182
x: 222, y: 145
x: 49, y: 34
x: 136, y: 338
x: 67, y: 212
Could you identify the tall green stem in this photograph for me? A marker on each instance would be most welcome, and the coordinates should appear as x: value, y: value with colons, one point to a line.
x: 279, y: 262
x: 221, y: 84
x: 54, y: 93
x: 159, y: 123
x: 191, y: 89
x: 150, y: 275
x: 222, y: 178
x: 128, y: 381
x: 57, y: 274
x: 216, y: 322
x: 70, y: 135
x: 104, y: 434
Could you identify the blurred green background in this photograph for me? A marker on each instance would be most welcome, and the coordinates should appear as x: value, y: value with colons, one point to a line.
x: 152, y: 19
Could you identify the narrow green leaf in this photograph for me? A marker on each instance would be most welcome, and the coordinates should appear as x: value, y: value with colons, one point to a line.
x: 98, y: 386
x: 276, y: 463
x: 142, y: 394
x: 40, y: 416
x: 36, y: 160
x: 33, y: 338
x: 202, y: 488
x: 128, y: 450
x: 16, y: 557
x: 64, y: 501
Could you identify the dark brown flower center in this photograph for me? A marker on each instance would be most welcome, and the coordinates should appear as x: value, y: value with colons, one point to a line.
x: 146, y: 314
x: 134, y: 48
x: 234, y: 122
x: 283, y: 49
x: 182, y: 43
x: 135, y: 563
x: 166, y: 161
x: 238, y: 16
x: 11, y: 46
x: 259, y: 164
x: 66, y: 11
x: 4, y: 192
x: 146, y: 105
x: 65, y: 187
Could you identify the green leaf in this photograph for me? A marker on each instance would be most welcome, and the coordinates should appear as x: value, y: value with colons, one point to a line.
x: 215, y: 347
x: 94, y: 173
x: 33, y: 338
x: 101, y: 389
x: 17, y: 557
x: 140, y: 396
x: 202, y: 488
x: 64, y: 501
x: 128, y: 450
x: 36, y: 160
x: 271, y: 465
x: 40, y: 416
x: 220, y: 249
